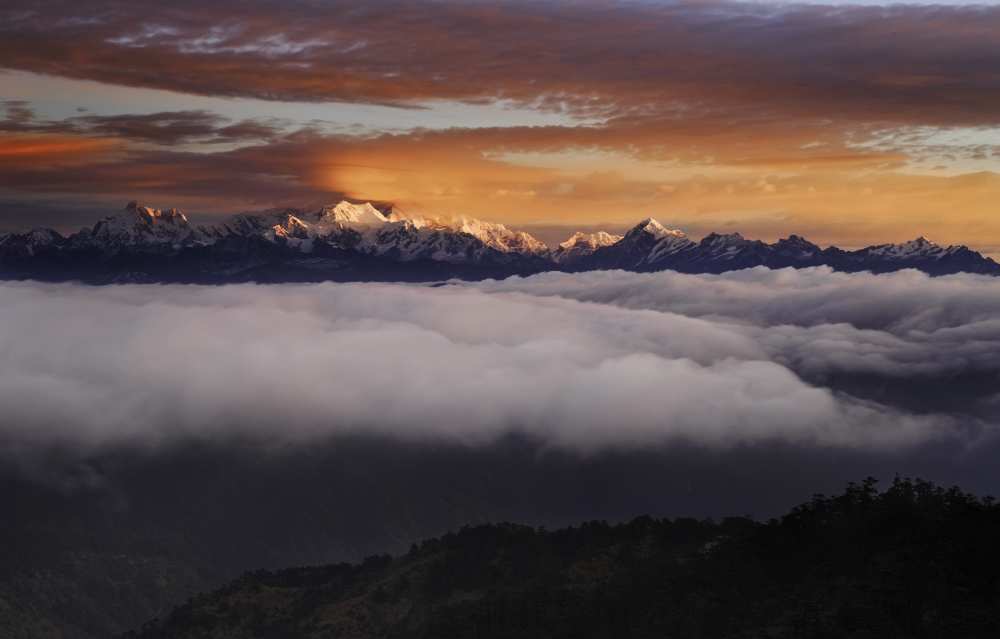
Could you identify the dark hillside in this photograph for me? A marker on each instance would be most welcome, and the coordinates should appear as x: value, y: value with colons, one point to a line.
x: 913, y: 561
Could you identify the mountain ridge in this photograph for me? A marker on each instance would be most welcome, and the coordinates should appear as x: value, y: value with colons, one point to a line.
x: 915, y: 560
x: 355, y: 242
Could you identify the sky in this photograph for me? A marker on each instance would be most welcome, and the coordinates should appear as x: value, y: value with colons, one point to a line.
x: 849, y: 123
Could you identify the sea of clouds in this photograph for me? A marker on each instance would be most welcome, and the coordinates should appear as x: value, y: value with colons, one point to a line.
x: 577, y: 361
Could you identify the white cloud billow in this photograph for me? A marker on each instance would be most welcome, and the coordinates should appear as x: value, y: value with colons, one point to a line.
x: 580, y: 361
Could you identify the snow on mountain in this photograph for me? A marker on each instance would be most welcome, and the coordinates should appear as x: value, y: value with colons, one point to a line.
x: 253, y: 224
x: 667, y: 242
x: 406, y: 242
x: 396, y: 235
x: 377, y: 238
x: 347, y: 214
x: 418, y: 221
x: 642, y: 246
x: 31, y: 242
x: 921, y: 254
x: 499, y: 237
x: 918, y: 248
x: 581, y: 240
x: 581, y: 244
x: 724, y: 246
x: 670, y: 245
x: 139, y: 226
x: 654, y: 228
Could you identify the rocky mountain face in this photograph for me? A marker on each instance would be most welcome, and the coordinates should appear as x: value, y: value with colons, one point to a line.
x: 350, y: 241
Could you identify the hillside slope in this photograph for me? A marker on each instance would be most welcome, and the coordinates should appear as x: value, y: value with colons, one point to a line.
x: 914, y: 561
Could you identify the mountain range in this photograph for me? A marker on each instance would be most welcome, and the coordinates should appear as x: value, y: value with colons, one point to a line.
x: 361, y: 241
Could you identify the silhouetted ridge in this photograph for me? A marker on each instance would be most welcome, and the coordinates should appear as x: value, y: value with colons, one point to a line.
x: 913, y: 561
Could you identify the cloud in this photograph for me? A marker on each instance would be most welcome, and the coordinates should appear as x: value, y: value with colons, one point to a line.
x: 165, y: 128
x: 901, y: 64
x: 741, y: 359
x: 898, y: 303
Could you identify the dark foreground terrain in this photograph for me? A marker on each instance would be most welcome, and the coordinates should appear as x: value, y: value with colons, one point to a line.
x: 913, y: 561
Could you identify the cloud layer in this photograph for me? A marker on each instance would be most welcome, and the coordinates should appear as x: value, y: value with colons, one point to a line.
x: 635, y: 360
x: 927, y: 64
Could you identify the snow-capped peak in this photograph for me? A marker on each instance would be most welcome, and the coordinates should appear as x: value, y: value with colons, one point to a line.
x: 652, y: 227
x: 139, y: 224
x: 146, y: 215
x: 919, y: 247
x: 348, y: 214
x: 590, y: 240
x: 919, y: 244
x: 499, y: 237
x: 580, y: 245
x: 396, y: 215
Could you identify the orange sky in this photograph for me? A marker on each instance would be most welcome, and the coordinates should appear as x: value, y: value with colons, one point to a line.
x: 848, y: 124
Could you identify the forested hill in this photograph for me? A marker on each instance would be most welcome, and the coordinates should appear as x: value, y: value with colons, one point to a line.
x: 913, y: 561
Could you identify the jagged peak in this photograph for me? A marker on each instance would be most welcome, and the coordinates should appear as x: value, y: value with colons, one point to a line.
x: 291, y: 226
x: 473, y: 226
x: 403, y: 237
x: 590, y: 240
x: 42, y: 234
x: 499, y: 237
x: 396, y: 215
x: 149, y: 215
x: 345, y: 212
x: 796, y: 241
x: 918, y: 247
x: 139, y: 224
x: 715, y: 238
x: 651, y: 226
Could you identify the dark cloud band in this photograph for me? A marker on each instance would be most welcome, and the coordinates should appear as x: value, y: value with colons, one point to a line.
x: 911, y: 64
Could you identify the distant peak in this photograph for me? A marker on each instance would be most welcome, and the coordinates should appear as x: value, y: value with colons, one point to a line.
x: 500, y: 237
x: 795, y: 240
x: 651, y: 224
x: 590, y: 240
x: 921, y: 243
x: 474, y: 226
x: 714, y: 238
x: 148, y: 215
x: 346, y: 212
x: 652, y: 227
